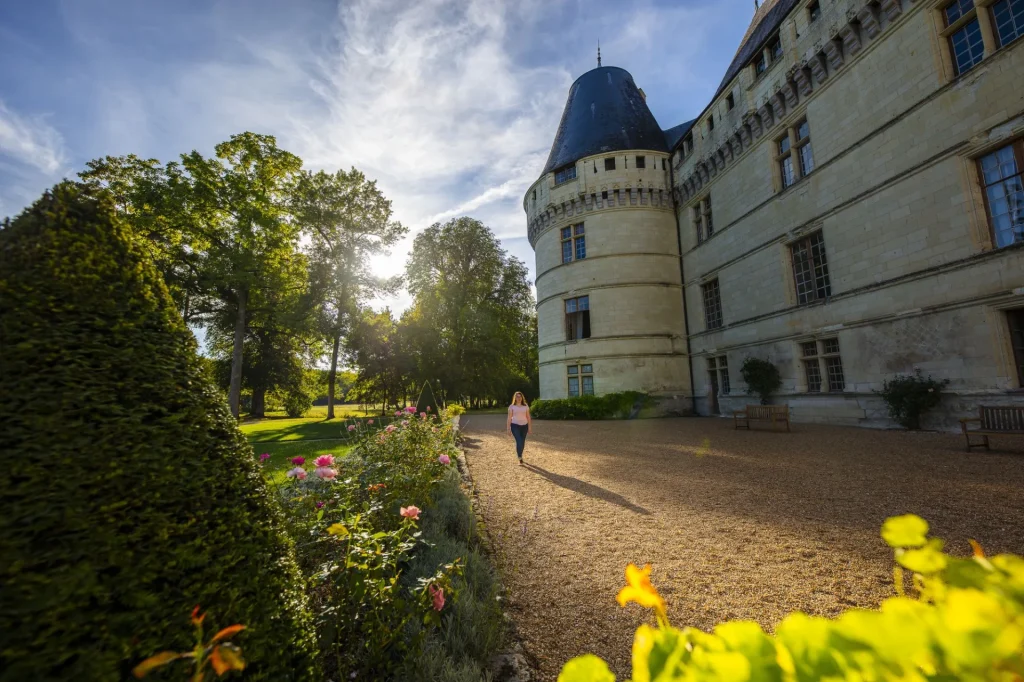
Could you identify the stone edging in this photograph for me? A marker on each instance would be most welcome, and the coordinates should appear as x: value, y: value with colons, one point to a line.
x: 514, y: 663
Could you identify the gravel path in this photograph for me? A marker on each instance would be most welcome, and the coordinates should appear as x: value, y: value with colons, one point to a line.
x: 737, y: 524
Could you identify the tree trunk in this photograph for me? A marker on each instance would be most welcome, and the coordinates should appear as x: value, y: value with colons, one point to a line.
x: 332, y: 377
x: 259, y: 402
x: 235, y: 391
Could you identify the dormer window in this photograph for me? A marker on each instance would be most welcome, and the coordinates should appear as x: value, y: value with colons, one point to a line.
x: 565, y: 174
x: 711, y: 122
x: 730, y: 102
x: 641, y: 162
x: 688, y: 145
x: 775, y: 49
x: 609, y: 164
x: 814, y: 11
x: 761, y: 65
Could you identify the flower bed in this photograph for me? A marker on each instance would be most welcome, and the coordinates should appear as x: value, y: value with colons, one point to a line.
x: 384, y: 536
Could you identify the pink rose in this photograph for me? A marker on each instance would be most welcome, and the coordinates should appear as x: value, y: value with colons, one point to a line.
x: 351, y: 427
x: 411, y: 409
x: 423, y: 415
x: 297, y: 472
x: 428, y: 408
x: 390, y: 428
x: 437, y: 596
x: 398, y: 413
x: 324, y: 461
x: 369, y: 421
x: 264, y: 457
x: 405, y: 422
x: 444, y: 459
x: 326, y: 473
x: 411, y: 512
x: 320, y: 505
x: 298, y: 461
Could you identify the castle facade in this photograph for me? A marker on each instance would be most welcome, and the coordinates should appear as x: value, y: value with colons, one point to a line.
x: 849, y: 206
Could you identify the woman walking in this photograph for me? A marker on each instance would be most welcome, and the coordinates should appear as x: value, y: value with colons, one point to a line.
x: 519, y: 423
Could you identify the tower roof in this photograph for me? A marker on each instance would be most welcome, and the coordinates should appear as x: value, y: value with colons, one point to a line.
x: 605, y: 112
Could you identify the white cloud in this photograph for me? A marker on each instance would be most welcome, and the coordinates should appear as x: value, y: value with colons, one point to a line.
x: 30, y: 141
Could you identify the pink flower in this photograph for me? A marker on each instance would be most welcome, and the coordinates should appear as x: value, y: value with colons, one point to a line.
x: 369, y: 421
x: 444, y: 459
x: 351, y: 427
x: 428, y: 408
x: 265, y: 456
x: 297, y: 472
x: 411, y: 512
x: 298, y: 461
x: 405, y: 422
x: 423, y: 415
x: 437, y: 596
x: 324, y: 460
x: 390, y: 428
x: 434, y: 429
x: 326, y: 473
x: 398, y: 413
x: 320, y: 505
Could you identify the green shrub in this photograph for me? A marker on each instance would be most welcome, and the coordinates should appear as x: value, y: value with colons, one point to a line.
x: 128, y: 493
x: 297, y: 403
x: 908, y: 397
x: 964, y: 620
x: 610, y: 406
x: 427, y: 402
x: 762, y: 377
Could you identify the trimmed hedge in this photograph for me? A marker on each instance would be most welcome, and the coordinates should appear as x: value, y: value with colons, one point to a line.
x: 610, y: 406
x: 427, y: 400
x: 128, y: 493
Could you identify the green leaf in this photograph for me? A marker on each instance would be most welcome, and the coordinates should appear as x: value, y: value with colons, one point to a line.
x: 908, y: 530
x: 588, y: 668
x: 926, y: 560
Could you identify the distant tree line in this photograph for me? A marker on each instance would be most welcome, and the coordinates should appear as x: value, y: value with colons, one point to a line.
x: 274, y: 261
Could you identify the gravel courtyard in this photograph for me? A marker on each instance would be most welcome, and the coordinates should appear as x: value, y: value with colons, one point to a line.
x: 737, y: 524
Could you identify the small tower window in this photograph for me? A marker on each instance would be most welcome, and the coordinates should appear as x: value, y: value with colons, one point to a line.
x: 711, y: 122
x: 609, y: 164
x: 641, y: 162
x: 814, y: 11
x: 577, y: 318
x: 663, y: 164
x: 565, y: 174
x: 730, y: 102
x: 775, y: 49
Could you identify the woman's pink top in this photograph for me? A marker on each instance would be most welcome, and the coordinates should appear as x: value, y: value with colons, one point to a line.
x: 519, y: 413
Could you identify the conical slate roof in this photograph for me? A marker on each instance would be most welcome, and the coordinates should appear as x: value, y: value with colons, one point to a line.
x: 605, y: 112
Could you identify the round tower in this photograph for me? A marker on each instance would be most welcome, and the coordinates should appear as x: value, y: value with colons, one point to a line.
x: 602, y: 226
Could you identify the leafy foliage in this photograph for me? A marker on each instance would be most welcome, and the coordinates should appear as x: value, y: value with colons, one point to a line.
x: 609, y: 406
x: 132, y: 496
x: 908, y: 397
x: 762, y: 377
x: 427, y: 402
x: 965, y: 621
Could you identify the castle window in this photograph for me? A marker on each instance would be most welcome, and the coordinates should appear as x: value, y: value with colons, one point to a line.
x: 712, y: 305
x: 1002, y: 177
x: 574, y: 243
x: 687, y: 145
x: 718, y: 368
x: 964, y: 34
x: 702, y: 222
x: 785, y: 161
x: 535, y: 195
x: 641, y: 162
x: 823, y: 367
x: 604, y: 195
x: 814, y: 11
x: 761, y: 64
x: 1016, y: 320
x: 609, y: 164
x: 664, y: 164
x: 565, y: 174
x: 793, y: 154
x: 577, y: 318
x: 581, y: 380
x: 775, y: 49
x: 730, y: 102
x: 711, y: 122
x: 1008, y: 16
x: 698, y: 223
x: 810, y: 269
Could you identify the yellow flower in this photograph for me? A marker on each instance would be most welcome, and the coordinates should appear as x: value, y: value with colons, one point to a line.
x: 639, y: 589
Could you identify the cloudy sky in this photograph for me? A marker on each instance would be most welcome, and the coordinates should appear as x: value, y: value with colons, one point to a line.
x: 450, y: 104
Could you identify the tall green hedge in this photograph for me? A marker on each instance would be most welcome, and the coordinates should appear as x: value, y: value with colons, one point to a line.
x: 127, y: 493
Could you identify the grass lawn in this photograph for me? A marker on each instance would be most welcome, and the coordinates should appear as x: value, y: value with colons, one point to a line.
x: 280, y: 430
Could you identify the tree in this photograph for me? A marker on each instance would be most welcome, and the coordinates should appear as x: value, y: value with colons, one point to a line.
x: 762, y: 377
x: 349, y: 221
x: 376, y: 349
x: 241, y: 197
x: 129, y: 494
x: 472, y: 311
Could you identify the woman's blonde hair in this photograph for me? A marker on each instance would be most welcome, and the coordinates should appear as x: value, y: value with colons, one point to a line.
x: 518, y: 394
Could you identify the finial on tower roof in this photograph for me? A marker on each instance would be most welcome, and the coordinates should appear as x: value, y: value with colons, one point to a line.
x: 599, y: 53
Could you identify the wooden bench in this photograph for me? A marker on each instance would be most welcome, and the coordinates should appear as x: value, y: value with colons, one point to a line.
x: 761, y: 413
x: 994, y: 421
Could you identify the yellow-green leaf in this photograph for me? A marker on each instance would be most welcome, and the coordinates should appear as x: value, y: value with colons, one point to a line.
x: 154, y: 662
x: 337, y: 529
x: 926, y: 560
x: 588, y: 668
x: 908, y: 530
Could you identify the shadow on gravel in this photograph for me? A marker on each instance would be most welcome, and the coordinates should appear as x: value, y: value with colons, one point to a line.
x: 588, y: 489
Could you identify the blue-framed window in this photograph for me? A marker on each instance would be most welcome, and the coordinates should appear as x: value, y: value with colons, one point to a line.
x: 1008, y: 17
x: 574, y: 243
x: 565, y: 174
x: 965, y: 42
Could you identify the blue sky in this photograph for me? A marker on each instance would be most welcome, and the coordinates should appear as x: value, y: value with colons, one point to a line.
x: 451, y: 106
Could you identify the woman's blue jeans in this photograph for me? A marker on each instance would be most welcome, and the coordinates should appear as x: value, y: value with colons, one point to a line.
x: 519, y: 433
